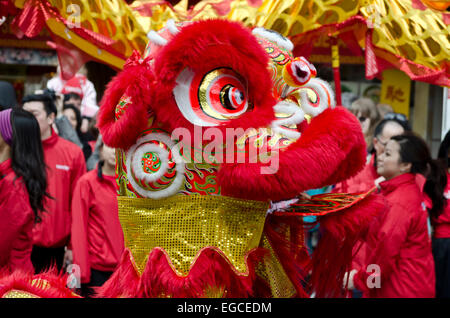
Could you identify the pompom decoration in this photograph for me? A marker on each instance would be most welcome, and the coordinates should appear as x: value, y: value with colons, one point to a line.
x: 155, y: 167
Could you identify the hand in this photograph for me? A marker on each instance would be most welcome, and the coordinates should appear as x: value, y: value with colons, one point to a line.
x: 68, y: 258
x: 350, y: 276
x: 84, y: 125
x: 304, y: 196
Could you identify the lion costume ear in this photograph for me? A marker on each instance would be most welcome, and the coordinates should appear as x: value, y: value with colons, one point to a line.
x: 125, y: 106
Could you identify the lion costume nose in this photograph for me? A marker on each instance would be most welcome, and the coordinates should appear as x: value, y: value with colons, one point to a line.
x: 297, y: 72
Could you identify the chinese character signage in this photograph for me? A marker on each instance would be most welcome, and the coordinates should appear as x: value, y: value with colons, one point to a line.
x: 395, y: 90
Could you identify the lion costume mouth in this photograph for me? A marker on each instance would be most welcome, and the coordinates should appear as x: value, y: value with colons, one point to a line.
x: 292, y: 116
x: 335, y: 133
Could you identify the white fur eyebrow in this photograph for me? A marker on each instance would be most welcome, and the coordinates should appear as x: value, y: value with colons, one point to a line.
x: 170, y: 24
x: 275, y: 37
x: 156, y: 38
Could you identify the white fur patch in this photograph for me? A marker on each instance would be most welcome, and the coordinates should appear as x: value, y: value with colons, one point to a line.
x: 324, y: 93
x: 170, y: 25
x: 156, y: 38
x: 274, y: 37
x: 296, y: 117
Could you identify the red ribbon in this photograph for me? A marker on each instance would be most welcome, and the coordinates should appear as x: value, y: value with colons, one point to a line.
x: 33, y: 18
x: 136, y: 59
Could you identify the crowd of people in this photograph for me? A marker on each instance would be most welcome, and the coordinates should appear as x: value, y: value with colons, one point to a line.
x: 408, y: 243
x: 58, y: 200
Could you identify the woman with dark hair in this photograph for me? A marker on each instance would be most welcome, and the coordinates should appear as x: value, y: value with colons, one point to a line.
x: 74, y: 116
x: 398, y: 244
x: 440, y: 219
x: 23, y: 185
x: 97, y: 237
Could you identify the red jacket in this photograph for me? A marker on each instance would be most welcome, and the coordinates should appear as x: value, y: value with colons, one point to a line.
x: 399, y: 243
x: 65, y: 165
x: 442, y: 223
x: 97, y: 236
x: 16, y: 221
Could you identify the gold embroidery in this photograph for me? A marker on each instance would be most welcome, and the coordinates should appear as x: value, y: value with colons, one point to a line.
x: 183, y: 225
x: 14, y: 293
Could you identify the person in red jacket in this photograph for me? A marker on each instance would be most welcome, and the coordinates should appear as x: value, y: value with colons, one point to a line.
x: 440, y: 219
x: 366, y: 178
x: 97, y: 236
x: 399, y: 261
x: 65, y: 165
x: 22, y: 187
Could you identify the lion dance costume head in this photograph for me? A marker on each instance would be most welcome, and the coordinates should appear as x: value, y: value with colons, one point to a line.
x: 211, y: 126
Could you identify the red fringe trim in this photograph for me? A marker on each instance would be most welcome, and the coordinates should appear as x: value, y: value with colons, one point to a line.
x: 211, y: 275
x: 290, y: 251
x: 333, y: 256
x: 124, y: 282
x: 51, y: 284
x: 323, y: 274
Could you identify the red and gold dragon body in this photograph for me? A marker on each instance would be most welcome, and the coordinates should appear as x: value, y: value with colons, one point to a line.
x: 214, y: 124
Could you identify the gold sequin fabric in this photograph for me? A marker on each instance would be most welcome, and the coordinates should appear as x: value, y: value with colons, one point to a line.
x: 273, y: 273
x: 19, y: 294
x: 183, y: 225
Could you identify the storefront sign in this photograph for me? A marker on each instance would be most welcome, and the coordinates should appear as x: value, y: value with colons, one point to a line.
x: 395, y: 90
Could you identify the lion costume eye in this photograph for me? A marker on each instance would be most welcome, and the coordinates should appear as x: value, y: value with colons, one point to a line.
x: 211, y: 98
